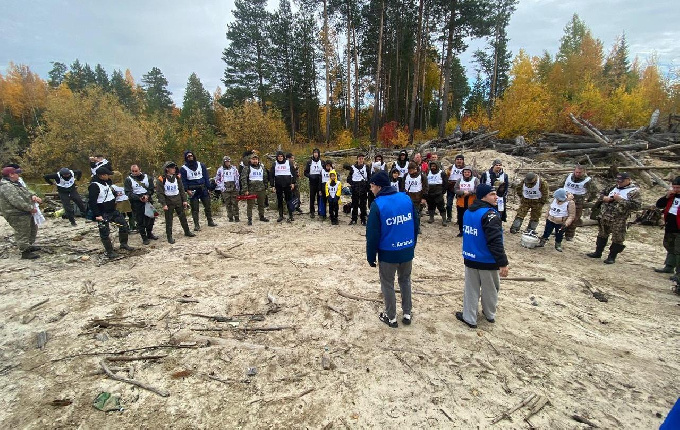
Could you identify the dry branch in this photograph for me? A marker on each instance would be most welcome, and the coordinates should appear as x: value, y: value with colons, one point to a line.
x: 509, y: 412
x: 354, y: 297
x: 113, y: 376
x: 523, y: 279
x: 136, y: 358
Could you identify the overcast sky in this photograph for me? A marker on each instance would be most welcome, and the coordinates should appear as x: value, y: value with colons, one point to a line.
x: 181, y: 37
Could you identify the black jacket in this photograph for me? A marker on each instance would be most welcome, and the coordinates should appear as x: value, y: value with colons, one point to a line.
x: 493, y: 232
x: 99, y: 209
x: 282, y: 180
x: 54, y: 177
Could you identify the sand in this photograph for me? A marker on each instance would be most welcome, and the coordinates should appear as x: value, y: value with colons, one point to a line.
x: 613, y: 363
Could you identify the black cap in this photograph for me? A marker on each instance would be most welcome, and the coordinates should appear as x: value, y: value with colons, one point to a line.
x: 676, y: 181
x: 103, y: 171
x: 623, y: 175
x: 459, y: 157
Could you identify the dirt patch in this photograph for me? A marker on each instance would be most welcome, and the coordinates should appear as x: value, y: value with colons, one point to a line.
x: 614, y: 363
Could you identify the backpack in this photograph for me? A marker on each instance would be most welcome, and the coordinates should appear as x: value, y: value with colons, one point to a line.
x: 651, y: 216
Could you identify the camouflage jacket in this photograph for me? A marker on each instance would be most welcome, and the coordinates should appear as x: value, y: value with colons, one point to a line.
x: 15, y: 199
x: 620, y: 211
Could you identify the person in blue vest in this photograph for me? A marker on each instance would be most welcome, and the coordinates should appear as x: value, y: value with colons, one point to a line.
x: 391, y: 235
x: 484, y: 257
x: 196, y: 182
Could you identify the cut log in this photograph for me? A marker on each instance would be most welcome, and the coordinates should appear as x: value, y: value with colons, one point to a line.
x: 600, y: 150
x: 663, y: 148
x: 556, y: 170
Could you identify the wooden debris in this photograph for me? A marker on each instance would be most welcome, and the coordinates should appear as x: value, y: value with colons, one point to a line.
x: 285, y: 398
x: 37, y: 305
x: 41, y: 339
x: 509, y: 412
x: 182, y: 374
x: 61, y: 402
x: 354, y: 297
x: 427, y: 293
x: 273, y: 328
x: 446, y: 414
x: 27, y: 318
x: 138, y: 357
x: 536, y: 406
x: 599, y: 295
x: 212, y: 317
x: 187, y: 300
x: 337, y: 311
x: 524, y: 279
x: 139, y: 384
x: 584, y: 420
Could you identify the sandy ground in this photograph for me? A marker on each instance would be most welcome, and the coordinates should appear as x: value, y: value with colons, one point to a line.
x: 614, y: 363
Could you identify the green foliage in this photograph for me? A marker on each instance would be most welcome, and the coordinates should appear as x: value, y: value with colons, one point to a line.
x: 158, y: 101
x: 197, y: 103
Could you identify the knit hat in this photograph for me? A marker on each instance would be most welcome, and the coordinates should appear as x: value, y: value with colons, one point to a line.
x: 103, y: 171
x: 483, y: 190
x: 496, y: 162
x: 380, y: 179
x: 623, y: 175
x: 64, y: 171
x: 460, y: 157
x: 560, y: 194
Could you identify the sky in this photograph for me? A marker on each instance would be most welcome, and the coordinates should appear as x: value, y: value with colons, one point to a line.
x: 182, y: 37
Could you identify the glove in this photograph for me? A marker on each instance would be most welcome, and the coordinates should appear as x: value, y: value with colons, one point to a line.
x: 372, y: 263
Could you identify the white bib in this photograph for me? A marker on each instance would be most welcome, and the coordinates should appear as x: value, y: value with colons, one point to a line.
x: 106, y: 194
x: 674, y: 207
x: 455, y: 174
x: 283, y: 169
x: 64, y: 183
x: 395, y: 185
x: 138, y: 188
x: 501, y: 178
x: 120, y: 193
x: 256, y: 174
x: 171, y: 188
x: 377, y: 166
x: 333, y: 190
x: 559, y: 210
x: 467, y: 185
x: 229, y: 175
x: 193, y: 175
x: 533, y: 193
x: 315, y: 167
x: 623, y: 193
x: 97, y: 166
x: 325, y: 176
x: 358, y: 175
x: 576, y: 188
x: 434, y: 178
x: 413, y: 185
x: 403, y: 171
x: 501, y: 204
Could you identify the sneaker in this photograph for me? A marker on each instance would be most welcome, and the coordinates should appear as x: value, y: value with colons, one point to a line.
x: 491, y: 320
x: 211, y: 223
x: 665, y: 269
x: 406, y: 319
x: 459, y: 317
x: 363, y: 222
x: 126, y: 247
x: 391, y: 323
x: 264, y: 219
x: 558, y: 247
x: 353, y: 222
x: 145, y: 241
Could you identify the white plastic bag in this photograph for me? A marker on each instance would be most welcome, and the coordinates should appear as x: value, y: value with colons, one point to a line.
x: 38, y: 216
x: 149, y: 210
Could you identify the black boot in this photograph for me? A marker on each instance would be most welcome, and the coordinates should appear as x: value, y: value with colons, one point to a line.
x: 516, y: 225
x: 236, y: 218
x: 449, y: 214
x: 599, y: 247
x: 280, y: 218
x: 150, y: 235
x: 28, y: 255
x: 431, y: 220
x: 145, y: 239
x: 123, y: 239
x: 264, y: 219
x: 614, y: 250
x: 108, y: 247
x: 197, y: 226
x: 211, y: 223
x: 73, y: 220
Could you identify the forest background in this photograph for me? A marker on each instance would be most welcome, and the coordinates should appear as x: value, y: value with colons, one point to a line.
x: 335, y: 75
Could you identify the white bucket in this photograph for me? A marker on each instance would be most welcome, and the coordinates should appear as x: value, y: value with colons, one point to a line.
x: 529, y: 240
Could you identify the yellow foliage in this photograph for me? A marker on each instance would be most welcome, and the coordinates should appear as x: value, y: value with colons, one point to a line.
x: 22, y: 93
x: 401, y: 138
x: 91, y: 122
x: 451, y: 125
x: 248, y: 127
x: 479, y: 119
x: 343, y: 140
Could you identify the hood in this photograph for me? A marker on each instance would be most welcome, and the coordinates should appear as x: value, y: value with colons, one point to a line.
x: 168, y: 164
x: 333, y: 172
x: 316, y: 154
x: 193, y: 165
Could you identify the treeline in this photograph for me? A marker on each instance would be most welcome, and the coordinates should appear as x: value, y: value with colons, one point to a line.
x: 390, y: 72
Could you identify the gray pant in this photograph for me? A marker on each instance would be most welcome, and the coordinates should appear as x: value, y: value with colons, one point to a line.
x: 489, y: 282
x: 25, y: 230
x: 403, y: 271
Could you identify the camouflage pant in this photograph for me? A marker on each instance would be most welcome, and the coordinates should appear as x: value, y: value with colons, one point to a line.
x: 526, y: 205
x: 671, y: 242
x: 25, y: 230
x: 230, y: 202
x: 260, y: 204
x: 571, y: 230
x: 616, y: 227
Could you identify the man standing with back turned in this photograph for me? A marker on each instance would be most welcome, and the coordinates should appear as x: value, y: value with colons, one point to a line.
x: 391, y: 233
x: 484, y: 257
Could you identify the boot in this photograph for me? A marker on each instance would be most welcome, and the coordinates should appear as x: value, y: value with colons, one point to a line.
x: 171, y: 240
x: 532, y: 225
x: 123, y: 238
x: 150, y: 235
x: 280, y: 218
x: 264, y: 219
x: 541, y: 242
x: 668, y: 265
x: 108, y: 247
x: 614, y: 250
x: 145, y: 239
x: 211, y: 223
x: 197, y: 226
x: 168, y: 233
x: 449, y: 214
x: 431, y: 220
x: 73, y: 220
x: 290, y: 217
x: 444, y: 221
x: 250, y: 221
x: 132, y: 222
x: 558, y: 246
x: 600, y: 243
x: 231, y: 219
x: 28, y: 255
x: 516, y: 225
x: 236, y: 218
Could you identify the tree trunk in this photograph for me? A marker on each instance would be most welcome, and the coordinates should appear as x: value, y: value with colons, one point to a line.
x: 447, y: 70
x: 326, y: 47
x: 416, y: 74
x: 348, y: 118
x: 376, y: 94
x: 356, y: 82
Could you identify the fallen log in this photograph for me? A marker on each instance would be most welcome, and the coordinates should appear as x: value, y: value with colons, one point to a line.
x: 354, y: 297
x: 524, y: 279
x: 595, y: 169
x: 507, y: 413
x: 137, y: 358
x: 600, y: 150
x: 663, y: 148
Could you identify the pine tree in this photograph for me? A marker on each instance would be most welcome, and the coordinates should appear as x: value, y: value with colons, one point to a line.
x: 101, y: 78
x: 248, y: 58
x: 158, y: 101
x: 75, y: 77
x: 56, y: 75
x: 197, y: 99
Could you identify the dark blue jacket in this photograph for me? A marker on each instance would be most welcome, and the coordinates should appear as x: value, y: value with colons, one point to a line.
x: 202, y: 185
x: 373, y: 234
x: 492, y: 229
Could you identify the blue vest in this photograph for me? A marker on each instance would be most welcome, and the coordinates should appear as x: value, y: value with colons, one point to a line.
x: 396, y: 222
x: 474, y: 241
